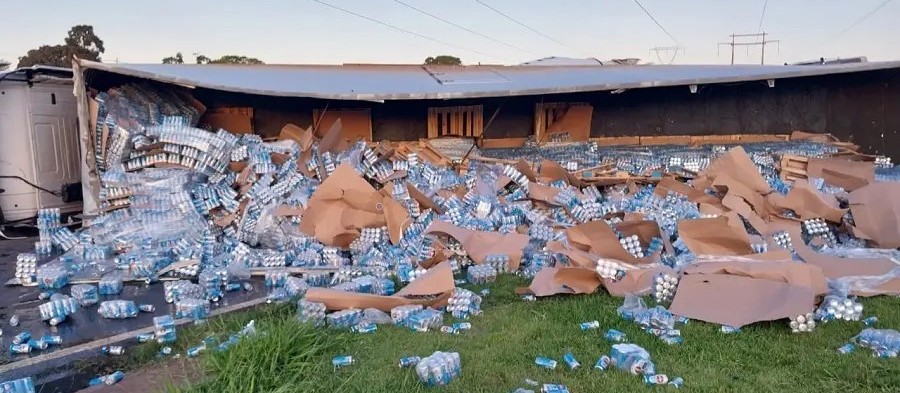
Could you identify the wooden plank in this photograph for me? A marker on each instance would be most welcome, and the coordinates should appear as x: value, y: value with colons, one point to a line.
x: 617, y: 140
x: 665, y: 140
x: 500, y: 143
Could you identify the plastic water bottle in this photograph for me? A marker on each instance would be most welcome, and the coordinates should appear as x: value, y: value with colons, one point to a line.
x: 570, y: 360
x: 481, y: 274
x: 313, y: 312
x: 632, y: 358
x: 341, y: 361
x: 545, y: 362
x: 463, y: 303
x: 615, y: 336
x: 192, y: 308
x: 344, y: 319
x: 56, y: 311
x: 589, y: 325
x: 110, y: 379
x: 409, y: 361
x: 23, y: 385
x: 52, y: 277
x: 111, y: 284
x: 118, y: 309
x: 439, y: 369
x: 86, y: 295
x: 164, y: 329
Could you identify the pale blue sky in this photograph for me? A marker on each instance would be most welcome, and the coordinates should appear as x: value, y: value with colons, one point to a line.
x: 303, y: 31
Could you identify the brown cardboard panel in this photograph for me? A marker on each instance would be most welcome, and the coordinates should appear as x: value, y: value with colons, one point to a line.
x: 739, y: 300
x: 714, y: 236
x: 234, y: 123
x: 876, y: 213
x: 501, y: 143
x: 355, y: 123
x: 846, y: 174
x: 576, y: 122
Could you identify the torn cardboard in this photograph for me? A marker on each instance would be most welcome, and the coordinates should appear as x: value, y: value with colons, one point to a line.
x: 739, y: 300
x: 436, y: 285
x: 423, y: 200
x: 342, y: 205
x: 876, y: 213
x: 809, y: 203
x: 738, y: 165
x: 636, y: 281
x: 551, y: 171
x: 598, y: 238
x: 481, y: 244
x: 303, y: 137
x: 846, y: 174
x: 576, y: 122
x: 333, y: 141
x: 837, y: 268
x: 714, y: 236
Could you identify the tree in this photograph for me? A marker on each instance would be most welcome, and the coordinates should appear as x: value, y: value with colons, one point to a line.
x: 4, y: 65
x: 443, y: 60
x: 177, y: 59
x: 229, y: 59
x: 80, y: 42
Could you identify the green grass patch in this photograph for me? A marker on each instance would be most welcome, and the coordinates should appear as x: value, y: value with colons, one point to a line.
x: 498, y: 353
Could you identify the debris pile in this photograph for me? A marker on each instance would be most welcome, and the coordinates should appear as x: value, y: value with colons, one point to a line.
x: 716, y: 230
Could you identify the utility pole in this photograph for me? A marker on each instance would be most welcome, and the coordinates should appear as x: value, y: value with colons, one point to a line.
x: 759, y: 39
x: 667, y: 49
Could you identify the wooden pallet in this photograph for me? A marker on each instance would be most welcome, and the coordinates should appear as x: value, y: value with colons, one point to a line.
x: 793, y: 167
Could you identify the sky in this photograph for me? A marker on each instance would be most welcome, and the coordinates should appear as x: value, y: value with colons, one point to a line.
x: 308, y: 32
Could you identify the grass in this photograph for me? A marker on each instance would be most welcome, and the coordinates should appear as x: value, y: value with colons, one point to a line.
x: 499, y: 351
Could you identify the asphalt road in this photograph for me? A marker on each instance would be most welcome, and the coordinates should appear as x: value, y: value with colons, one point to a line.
x: 84, y: 326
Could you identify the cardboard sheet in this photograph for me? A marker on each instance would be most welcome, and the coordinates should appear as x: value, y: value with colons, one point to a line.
x: 714, y: 236
x: 480, y: 244
x: 397, y: 218
x: 846, y: 174
x: 304, y: 138
x: 736, y: 187
x: 809, y: 203
x: 544, y: 284
x: 738, y: 165
x: 525, y: 168
x: 579, y: 258
x: 739, y: 300
x: 876, y: 213
x: 437, y: 283
x: 235, y: 123
x: 835, y: 267
x: 579, y: 279
x: 285, y: 211
x: 598, y: 238
x: 552, y: 171
x: 424, y: 201
x: 576, y: 121
x: 740, y: 206
x: 785, y: 270
x: 637, y: 281
x: 343, y: 204
x: 333, y: 141
x: 669, y: 184
x: 540, y: 192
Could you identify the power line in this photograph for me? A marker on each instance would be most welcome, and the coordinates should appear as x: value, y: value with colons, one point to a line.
x: 463, y: 27
x: 666, y: 49
x: 657, y: 22
x: 863, y: 18
x: 405, y: 31
x: 536, y: 31
x: 761, y: 17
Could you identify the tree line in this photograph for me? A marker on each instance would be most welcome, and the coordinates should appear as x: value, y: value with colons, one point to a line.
x: 82, y: 42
